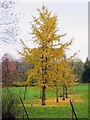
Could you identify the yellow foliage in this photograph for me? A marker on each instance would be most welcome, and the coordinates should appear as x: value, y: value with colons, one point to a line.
x: 50, y: 66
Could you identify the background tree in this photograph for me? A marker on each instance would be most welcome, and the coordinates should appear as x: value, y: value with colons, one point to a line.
x: 9, y: 73
x: 9, y: 20
x: 78, y: 67
x: 22, y: 68
x: 5, y: 70
x: 86, y: 74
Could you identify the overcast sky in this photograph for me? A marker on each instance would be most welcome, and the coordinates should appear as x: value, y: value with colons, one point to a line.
x: 72, y: 19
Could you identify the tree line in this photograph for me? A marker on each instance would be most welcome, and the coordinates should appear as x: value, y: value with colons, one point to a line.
x: 81, y: 69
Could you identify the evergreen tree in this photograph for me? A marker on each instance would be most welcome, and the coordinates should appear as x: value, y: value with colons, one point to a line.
x: 86, y: 74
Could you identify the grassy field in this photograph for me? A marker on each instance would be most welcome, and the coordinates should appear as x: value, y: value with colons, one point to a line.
x: 53, y: 109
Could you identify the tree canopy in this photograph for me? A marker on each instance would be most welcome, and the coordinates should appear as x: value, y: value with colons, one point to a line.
x: 48, y: 57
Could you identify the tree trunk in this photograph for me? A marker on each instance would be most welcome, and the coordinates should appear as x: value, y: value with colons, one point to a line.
x: 57, y: 96
x: 60, y: 94
x: 25, y: 92
x: 43, y: 95
x: 66, y: 91
x: 63, y: 97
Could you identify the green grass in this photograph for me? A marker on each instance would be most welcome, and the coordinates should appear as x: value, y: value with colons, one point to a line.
x: 33, y: 95
x: 48, y: 112
x: 56, y: 111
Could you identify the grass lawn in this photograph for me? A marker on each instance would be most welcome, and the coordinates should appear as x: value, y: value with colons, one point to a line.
x: 53, y: 109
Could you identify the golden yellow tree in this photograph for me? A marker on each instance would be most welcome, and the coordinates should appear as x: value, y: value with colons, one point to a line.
x: 44, y: 58
x: 68, y: 77
x: 63, y: 75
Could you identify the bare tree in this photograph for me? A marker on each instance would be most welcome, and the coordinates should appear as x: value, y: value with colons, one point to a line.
x: 9, y: 19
